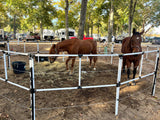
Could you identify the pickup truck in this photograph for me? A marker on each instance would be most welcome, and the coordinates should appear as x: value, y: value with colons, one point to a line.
x: 33, y: 36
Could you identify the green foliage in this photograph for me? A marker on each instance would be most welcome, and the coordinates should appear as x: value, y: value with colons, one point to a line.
x: 30, y: 13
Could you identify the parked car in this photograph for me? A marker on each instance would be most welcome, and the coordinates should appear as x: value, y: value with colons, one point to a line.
x: 156, y: 40
x: 33, y: 36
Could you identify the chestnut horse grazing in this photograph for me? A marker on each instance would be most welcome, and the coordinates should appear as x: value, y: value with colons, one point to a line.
x: 74, y: 46
x: 131, y: 45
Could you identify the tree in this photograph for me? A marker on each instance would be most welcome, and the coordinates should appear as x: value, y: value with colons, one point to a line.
x: 111, y: 22
x: 82, y: 19
x: 66, y: 16
x: 132, y: 7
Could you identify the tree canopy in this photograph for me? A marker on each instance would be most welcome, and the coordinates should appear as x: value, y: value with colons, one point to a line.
x: 29, y: 15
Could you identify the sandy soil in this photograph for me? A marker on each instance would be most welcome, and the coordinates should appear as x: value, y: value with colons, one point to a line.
x: 135, y: 103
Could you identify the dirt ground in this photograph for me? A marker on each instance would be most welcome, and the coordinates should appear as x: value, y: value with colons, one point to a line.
x: 135, y: 103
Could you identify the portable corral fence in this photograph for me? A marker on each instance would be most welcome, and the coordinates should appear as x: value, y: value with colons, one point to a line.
x: 33, y: 90
x: 151, y: 46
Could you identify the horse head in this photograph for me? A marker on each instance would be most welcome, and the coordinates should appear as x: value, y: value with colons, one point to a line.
x: 136, y: 41
x: 53, y: 50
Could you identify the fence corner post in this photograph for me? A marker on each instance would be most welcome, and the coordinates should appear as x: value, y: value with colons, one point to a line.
x: 155, y: 74
x: 32, y: 86
x: 118, y: 83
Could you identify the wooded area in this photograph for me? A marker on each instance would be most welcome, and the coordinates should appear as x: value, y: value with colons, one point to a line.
x: 105, y: 17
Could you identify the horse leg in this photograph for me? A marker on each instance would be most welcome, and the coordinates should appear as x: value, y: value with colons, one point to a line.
x: 73, y: 61
x: 67, y: 63
x: 134, y: 71
x: 95, y: 60
x: 128, y: 71
x: 90, y: 58
x: 124, y: 63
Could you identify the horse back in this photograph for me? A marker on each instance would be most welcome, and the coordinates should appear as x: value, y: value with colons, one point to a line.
x: 85, y: 47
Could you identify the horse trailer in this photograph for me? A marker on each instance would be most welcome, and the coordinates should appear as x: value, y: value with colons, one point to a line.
x: 48, y: 34
x: 60, y: 33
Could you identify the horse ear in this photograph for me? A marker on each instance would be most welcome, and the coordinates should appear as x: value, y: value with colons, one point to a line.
x: 134, y: 30
x: 142, y: 32
x: 54, y: 45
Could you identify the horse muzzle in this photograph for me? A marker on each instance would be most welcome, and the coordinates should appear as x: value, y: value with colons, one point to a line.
x: 52, y: 59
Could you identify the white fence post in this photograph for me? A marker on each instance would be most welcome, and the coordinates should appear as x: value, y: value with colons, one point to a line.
x: 24, y: 46
x: 32, y: 86
x: 112, y: 52
x: 147, y: 52
x: 5, y: 66
x: 140, y: 70
x: 155, y: 74
x: 79, y: 83
x: 118, y: 83
x: 38, y: 50
x: 9, y: 62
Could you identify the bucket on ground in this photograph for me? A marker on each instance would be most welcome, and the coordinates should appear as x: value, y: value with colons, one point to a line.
x: 18, y: 67
x: 41, y: 59
x: 105, y: 50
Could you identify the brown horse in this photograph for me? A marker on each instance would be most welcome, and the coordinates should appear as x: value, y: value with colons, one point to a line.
x: 74, y: 46
x: 131, y: 45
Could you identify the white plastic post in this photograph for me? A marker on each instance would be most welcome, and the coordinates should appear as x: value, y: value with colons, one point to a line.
x: 9, y: 62
x: 112, y: 52
x: 5, y: 66
x: 147, y: 53
x: 118, y: 84
x: 140, y: 70
x: 24, y: 47
x: 79, y: 83
x: 32, y: 86
x: 38, y: 50
x: 155, y: 74
x: 18, y: 40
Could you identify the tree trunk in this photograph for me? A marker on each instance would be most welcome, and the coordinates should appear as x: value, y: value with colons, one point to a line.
x: 41, y: 27
x: 66, y: 17
x: 82, y: 19
x: 15, y: 27
x: 111, y: 22
x: 91, y: 28
x: 87, y: 31
x: 98, y: 33
x: 131, y: 15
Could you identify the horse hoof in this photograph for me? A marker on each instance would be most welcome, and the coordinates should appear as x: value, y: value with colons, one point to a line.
x: 70, y: 73
x: 133, y: 83
x: 94, y: 68
x: 128, y: 84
